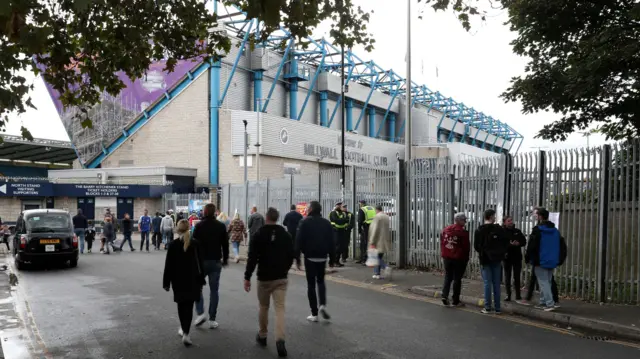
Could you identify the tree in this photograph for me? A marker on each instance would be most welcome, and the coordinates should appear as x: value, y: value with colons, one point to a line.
x: 80, y: 45
x: 584, y: 61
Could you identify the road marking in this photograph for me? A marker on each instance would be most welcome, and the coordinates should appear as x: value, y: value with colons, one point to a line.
x: 392, y: 289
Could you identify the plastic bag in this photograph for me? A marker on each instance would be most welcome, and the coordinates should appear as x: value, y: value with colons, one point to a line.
x: 372, y: 258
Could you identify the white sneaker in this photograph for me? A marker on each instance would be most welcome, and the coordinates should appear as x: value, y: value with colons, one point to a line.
x: 180, y: 332
x: 323, y: 312
x: 213, y: 324
x: 200, y: 319
x: 375, y: 276
x: 313, y: 318
x: 186, y: 340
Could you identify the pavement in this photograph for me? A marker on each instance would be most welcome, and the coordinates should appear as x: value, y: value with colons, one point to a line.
x: 113, y: 306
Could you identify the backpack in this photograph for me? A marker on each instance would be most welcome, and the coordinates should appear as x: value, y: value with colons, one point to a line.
x: 495, y: 247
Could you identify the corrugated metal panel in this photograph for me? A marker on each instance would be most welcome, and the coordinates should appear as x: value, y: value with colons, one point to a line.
x: 279, y: 103
x: 310, y: 114
x: 357, y: 110
x: 337, y: 119
x: 240, y: 90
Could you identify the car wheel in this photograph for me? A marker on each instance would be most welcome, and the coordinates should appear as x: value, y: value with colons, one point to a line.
x: 73, y: 263
x: 20, y: 264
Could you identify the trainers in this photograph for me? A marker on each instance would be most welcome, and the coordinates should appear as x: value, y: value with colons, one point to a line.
x: 313, y: 318
x: 498, y: 312
x: 541, y: 307
x: 458, y: 305
x: 186, y: 340
x: 375, y: 276
x: 323, y: 312
x: 523, y: 302
x: 89, y: 251
x: 237, y: 259
x: 485, y: 311
x: 261, y: 341
x: 200, y: 319
x: 282, y: 351
x: 549, y: 309
x: 507, y: 299
x: 446, y: 303
x: 180, y: 332
x: 213, y: 324
x: 556, y: 306
x: 132, y: 249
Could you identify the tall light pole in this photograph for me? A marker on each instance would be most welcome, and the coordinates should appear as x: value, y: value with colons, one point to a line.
x: 246, y: 175
x: 342, y: 111
x: 407, y: 127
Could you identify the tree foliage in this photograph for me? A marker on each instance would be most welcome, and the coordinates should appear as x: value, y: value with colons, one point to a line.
x: 584, y: 61
x: 80, y: 45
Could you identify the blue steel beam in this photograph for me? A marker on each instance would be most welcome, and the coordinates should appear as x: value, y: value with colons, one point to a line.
x: 277, y: 76
x: 386, y: 114
x: 346, y: 81
x: 313, y: 84
x: 235, y: 63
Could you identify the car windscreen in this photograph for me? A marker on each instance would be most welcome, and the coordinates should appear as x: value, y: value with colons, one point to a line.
x: 49, y: 222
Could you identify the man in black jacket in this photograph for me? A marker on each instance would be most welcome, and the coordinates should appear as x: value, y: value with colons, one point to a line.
x: 491, y: 244
x: 292, y: 220
x: 80, y: 225
x: 271, y: 249
x: 213, y: 241
x: 314, y: 240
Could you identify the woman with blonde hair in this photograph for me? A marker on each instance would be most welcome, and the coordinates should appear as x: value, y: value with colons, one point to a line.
x: 237, y: 234
x: 183, y: 272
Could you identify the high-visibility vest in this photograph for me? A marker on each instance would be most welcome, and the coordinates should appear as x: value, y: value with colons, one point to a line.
x: 339, y: 226
x: 369, y: 213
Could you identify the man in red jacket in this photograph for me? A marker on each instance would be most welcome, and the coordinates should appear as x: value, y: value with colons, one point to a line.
x: 455, y: 248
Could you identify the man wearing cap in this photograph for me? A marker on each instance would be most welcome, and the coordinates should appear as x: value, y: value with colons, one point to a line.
x: 365, y: 217
x: 455, y: 249
x: 339, y: 222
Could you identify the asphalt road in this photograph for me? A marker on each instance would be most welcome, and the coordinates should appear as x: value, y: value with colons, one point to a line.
x: 114, y: 307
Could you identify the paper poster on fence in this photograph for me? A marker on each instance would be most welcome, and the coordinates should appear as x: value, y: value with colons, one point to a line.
x: 555, y: 218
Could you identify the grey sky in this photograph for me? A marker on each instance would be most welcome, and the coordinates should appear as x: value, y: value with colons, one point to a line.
x: 473, y: 67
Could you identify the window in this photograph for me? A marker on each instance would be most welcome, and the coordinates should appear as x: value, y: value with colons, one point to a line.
x: 49, y: 222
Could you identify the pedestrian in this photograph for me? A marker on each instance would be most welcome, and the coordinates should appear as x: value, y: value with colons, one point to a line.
x: 380, y: 239
x: 109, y: 234
x: 5, y: 233
x: 213, y: 238
x: 79, y: 227
x: 90, y: 235
x: 455, y: 249
x: 222, y: 217
x: 340, y: 222
x: 533, y: 281
x: 183, y: 272
x: 193, y: 217
x: 271, y: 249
x: 167, y: 230
x: 157, y: 231
x: 255, y: 222
x: 292, y: 220
x: 365, y: 217
x: 237, y: 234
x: 546, y: 251
x: 144, y: 226
x: 127, y: 231
x: 314, y: 239
x: 491, y: 245
x: 347, y: 237
x: 513, y: 262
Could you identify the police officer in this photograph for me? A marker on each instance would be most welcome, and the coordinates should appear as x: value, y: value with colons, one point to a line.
x: 347, y: 238
x: 365, y: 217
x: 339, y: 222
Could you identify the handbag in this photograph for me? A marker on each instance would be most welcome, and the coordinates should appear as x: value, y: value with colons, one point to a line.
x: 372, y: 258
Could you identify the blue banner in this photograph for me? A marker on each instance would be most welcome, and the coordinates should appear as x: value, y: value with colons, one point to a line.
x: 46, y: 189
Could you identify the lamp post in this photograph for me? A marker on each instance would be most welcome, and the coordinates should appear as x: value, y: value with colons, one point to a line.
x: 407, y: 127
x: 246, y: 176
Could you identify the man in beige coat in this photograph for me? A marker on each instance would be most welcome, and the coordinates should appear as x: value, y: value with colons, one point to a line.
x: 380, y: 239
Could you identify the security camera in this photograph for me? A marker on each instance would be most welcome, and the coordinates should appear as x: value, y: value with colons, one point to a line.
x: 245, y: 123
x: 397, y: 156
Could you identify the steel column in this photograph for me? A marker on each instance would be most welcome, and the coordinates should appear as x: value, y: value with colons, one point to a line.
x: 324, y: 115
x: 392, y: 127
x: 349, y: 108
x: 214, y: 120
x: 258, y: 75
x: 372, y: 121
x: 603, y: 222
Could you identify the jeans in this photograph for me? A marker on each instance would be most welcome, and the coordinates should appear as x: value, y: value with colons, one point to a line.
x: 80, y: 234
x: 453, y: 272
x: 533, y: 281
x: 185, y: 313
x: 236, y: 249
x: 315, y: 275
x: 144, y: 236
x: 364, y: 243
x: 544, y: 281
x: 212, y: 270
x: 127, y: 238
x: 278, y: 290
x: 513, y: 267
x: 156, y: 239
x: 167, y: 235
x: 491, y: 274
x: 381, y: 265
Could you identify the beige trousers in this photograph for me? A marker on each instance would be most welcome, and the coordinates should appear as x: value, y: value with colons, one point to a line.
x: 278, y: 290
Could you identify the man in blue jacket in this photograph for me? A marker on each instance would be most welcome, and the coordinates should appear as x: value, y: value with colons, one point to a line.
x: 547, y: 250
x: 314, y: 239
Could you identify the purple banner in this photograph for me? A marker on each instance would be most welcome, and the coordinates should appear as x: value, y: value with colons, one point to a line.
x: 142, y: 92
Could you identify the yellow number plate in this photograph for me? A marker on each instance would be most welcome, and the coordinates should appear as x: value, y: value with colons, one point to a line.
x: 49, y: 241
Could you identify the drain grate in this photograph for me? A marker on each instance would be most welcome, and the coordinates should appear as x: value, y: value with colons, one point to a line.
x: 596, y: 338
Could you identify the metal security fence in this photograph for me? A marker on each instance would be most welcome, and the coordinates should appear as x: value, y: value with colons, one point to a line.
x: 179, y: 202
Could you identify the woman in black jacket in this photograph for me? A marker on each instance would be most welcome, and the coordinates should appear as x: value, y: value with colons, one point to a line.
x: 513, y: 261
x: 183, y: 272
